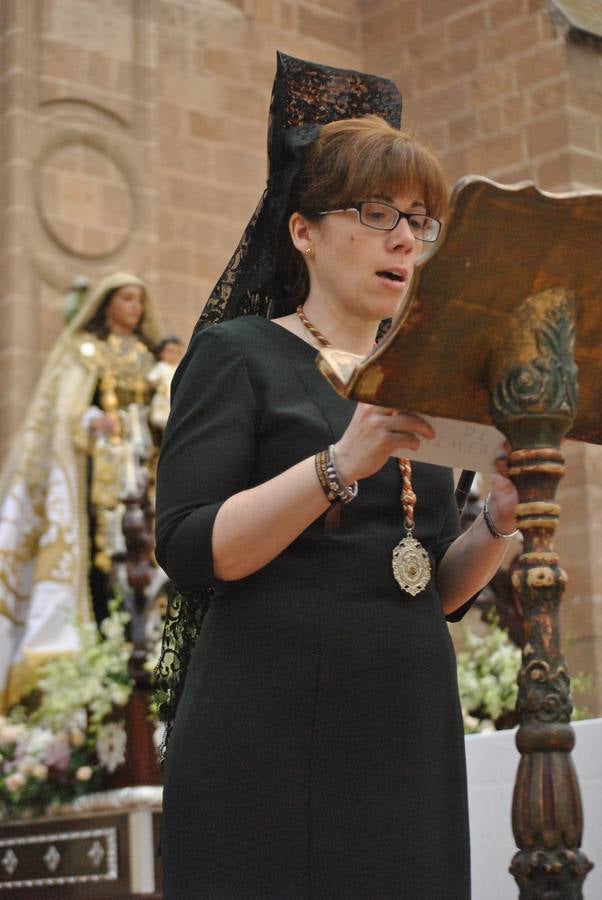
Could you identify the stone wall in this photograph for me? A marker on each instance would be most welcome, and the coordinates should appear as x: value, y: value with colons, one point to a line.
x: 78, y: 166
x: 133, y: 136
x: 494, y: 87
x: 216, y: 64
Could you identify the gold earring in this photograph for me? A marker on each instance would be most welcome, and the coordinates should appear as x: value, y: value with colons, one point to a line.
x: 308, y: 251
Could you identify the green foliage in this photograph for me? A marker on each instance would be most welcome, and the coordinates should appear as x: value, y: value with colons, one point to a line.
x: 581, y: 683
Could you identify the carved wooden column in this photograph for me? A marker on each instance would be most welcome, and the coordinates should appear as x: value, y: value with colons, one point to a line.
x: 141, y: 762
x: 534, y: 399
x: 138, y: 533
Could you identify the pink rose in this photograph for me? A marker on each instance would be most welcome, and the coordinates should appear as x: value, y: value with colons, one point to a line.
x: 58, y: 753
x: 15, y: 781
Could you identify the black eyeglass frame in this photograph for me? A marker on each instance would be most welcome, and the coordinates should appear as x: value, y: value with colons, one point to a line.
x: 357, y: 207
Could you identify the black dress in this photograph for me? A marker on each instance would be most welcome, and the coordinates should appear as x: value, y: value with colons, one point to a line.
x: 318, y: 749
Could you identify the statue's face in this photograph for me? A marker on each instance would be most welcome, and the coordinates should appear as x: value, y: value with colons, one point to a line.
x: 172, y: 353
x: 125, y: 308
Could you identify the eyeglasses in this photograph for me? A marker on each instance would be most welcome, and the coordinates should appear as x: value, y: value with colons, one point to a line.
x: 385, y: 217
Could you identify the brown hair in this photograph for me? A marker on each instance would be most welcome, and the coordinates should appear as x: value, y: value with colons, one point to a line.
x: 355, y: 159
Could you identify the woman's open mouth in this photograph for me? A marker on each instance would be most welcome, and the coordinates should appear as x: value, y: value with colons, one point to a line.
x: 395, y: 278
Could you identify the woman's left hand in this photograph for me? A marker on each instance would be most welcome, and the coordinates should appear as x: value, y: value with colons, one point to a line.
x: 474, y: 558
x: 503, y: 498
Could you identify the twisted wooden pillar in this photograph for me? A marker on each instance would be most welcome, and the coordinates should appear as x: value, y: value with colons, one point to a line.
x: 138, y: 533
x: 534, y: 399
x: 141, y: 762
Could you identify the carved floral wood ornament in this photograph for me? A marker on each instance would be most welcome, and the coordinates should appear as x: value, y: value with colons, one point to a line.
x: 503, y: 325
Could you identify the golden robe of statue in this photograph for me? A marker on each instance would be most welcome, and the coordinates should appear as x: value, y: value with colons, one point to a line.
x: 90, y: 404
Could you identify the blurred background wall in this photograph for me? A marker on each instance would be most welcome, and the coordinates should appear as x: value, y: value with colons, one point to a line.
x: 133, y: 137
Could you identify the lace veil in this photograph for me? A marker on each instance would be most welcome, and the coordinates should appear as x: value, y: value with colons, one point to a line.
x: 305, y: 96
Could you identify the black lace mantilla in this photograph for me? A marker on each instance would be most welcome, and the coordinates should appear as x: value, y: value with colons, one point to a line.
x: 182, y: 626
x: 305, y: 96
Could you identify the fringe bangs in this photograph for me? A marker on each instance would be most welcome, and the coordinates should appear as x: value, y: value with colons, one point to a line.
x: 356, y: 159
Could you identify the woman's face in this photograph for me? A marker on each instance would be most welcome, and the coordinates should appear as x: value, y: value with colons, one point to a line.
x: 125, y: 308
x: 363, y: 270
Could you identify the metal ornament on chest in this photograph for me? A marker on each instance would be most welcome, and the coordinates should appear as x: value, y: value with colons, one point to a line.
x: 411, y: 564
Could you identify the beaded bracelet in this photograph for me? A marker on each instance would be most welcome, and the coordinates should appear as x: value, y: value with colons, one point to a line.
x: 331, y: 482
x: 493, y: 530
x: 346, y: 492
x: 321, y: 461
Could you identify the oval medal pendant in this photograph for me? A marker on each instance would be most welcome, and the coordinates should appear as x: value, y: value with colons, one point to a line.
x: 411, y: 566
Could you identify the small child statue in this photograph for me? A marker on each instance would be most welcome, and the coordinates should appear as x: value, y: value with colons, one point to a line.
x: 168, y: 354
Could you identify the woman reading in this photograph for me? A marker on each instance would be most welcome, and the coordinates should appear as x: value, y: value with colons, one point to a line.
x: 317, y: 750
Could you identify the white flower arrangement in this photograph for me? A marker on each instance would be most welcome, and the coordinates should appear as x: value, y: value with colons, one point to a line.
x: 110, y: 745
x: 487, y: 672
x: 487, y: 680
x: 61, y: 744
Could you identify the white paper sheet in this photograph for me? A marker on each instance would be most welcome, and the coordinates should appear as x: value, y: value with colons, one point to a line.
x: 461, y: 445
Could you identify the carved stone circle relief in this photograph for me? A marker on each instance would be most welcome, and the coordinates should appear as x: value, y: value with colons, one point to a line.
x: 84, y: 199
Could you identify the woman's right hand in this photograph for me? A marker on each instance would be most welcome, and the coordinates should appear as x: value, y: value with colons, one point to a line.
x: 374, y: 434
